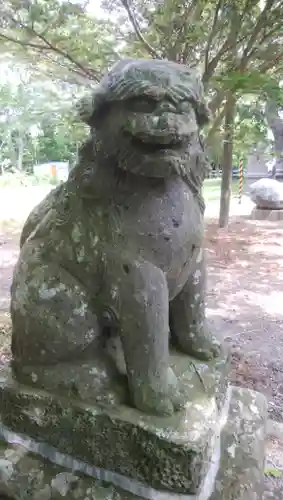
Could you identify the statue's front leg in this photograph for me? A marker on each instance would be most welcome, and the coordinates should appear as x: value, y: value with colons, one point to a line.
x: 187, y: 315
x: 144, y: 330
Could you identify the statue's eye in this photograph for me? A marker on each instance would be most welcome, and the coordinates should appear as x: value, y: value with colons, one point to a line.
x: 168, y: 105
x: 143, y: 104
x: 184, y: 106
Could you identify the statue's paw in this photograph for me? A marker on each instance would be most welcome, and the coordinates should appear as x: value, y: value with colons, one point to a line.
x: 178, y: 398
x: 203, y: 347
x: 207, y: 352
x: 153, y: 403
x: 162, y: 398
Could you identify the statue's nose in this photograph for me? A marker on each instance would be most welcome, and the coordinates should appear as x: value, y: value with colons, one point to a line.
x: 166, y: 106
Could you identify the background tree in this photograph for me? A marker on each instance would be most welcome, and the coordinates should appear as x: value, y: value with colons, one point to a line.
x: 236, y: 44
x: 59, y: 39
x: 273, y: 110
x: 36, y: 122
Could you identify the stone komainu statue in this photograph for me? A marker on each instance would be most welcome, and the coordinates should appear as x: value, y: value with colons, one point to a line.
x: 115, y: 253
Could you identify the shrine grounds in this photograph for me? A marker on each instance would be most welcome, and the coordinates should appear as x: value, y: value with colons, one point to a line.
x: 245, y: 292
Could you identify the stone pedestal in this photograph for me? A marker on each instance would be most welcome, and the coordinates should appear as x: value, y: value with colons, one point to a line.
x: 54, y: 446
x: 267, y: 214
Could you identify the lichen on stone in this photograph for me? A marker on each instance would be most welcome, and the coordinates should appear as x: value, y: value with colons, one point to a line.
x: 115, y: 252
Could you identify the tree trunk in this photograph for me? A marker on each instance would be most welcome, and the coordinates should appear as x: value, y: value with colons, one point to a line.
x: 227, y: 160
x: 276, y: 124
x: 20, y: 153
x: 12, y: 152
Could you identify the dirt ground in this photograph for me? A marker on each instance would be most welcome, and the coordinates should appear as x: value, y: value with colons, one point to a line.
x: 245, y: 302
x: 245, y: 306
x: 273, y: 481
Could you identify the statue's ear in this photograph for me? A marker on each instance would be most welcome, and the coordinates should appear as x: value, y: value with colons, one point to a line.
x: 89, y: 108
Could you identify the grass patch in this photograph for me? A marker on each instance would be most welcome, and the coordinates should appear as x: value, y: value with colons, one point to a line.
x: 22, y: 179
x: 211, y: 189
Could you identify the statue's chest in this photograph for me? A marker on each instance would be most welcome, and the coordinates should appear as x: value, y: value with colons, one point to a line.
x: 163, y: 226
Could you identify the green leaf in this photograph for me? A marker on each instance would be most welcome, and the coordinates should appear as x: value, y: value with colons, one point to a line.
x: 271, y: 471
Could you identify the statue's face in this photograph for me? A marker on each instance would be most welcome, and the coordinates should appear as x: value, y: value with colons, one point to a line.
x: 146, y: 116
x: 149, y: 136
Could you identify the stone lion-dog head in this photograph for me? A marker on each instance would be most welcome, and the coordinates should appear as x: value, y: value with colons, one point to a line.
x: 146, y: 114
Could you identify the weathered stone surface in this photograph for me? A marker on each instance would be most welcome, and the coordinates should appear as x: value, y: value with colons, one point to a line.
x: 266, y: 214
x: 171, y: 453
x: 25, y: 475
x: 115, y: 254
x: 267, y: 194
x: 242, y: 450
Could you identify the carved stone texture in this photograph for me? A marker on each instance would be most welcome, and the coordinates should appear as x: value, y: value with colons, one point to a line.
x: 112, y: 266
x: 25, y: 474
x: 138, y: 451
x: 266, y: 214
x: 267, y: 194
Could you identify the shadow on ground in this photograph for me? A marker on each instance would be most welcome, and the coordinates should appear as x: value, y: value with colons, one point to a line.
x: 245, y: 302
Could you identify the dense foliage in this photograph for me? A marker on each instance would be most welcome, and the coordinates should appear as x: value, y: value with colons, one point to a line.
x: 36, y: 122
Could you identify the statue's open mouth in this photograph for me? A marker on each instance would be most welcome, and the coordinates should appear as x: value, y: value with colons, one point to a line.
x: 148, y: 147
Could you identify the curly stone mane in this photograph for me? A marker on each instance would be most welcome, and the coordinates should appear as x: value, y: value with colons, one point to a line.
x: 130, y: 80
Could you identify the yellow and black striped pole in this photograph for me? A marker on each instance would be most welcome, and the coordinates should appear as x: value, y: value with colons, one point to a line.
x: 241, y: 179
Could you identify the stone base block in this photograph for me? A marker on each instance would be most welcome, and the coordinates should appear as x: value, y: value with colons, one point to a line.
x: 119, y: 443
x: 266, y: 214
x: 241, y: 472
x: 25, y: 475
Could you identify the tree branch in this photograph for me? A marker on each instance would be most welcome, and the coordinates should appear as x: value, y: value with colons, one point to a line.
x: 215, y: 126
x: 272, y: 117
x: 211, y: 35
x: 259, y: 25
x: 22, y: 42
x: 230, y: 45
x: 173, y: 52
x: 85, y: 72
x: 256, y: 52
x: 270, y: 64
x: 211, y: 66
x: 76, y: 72
x: 89, y: 72
x: 137, y: 29
x: 216, y: 102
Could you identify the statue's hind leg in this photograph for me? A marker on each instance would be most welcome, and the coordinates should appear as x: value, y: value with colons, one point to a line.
x: 51, y: 316
x: 57, y: 344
